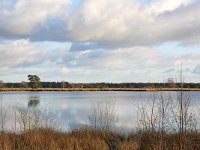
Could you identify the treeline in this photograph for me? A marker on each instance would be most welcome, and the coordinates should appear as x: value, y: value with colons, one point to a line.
x: 134, y: 85
x: 99, y: 85
x: 43, y: 85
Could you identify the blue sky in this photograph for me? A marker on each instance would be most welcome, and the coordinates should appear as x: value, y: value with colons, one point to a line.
x: 99, y: 40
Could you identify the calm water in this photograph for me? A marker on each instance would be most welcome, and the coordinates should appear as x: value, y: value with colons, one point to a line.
x: 71, y: 109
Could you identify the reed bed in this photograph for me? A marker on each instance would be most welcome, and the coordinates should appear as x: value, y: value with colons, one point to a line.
x: 87, y: 139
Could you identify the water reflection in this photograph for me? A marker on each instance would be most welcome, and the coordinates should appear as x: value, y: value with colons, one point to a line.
x: 72, y: 108
x: 33, y: 101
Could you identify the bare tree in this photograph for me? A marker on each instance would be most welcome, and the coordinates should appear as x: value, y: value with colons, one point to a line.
x: 28, y: 118
x: 32, y: 118
x: 183, y: 115
x: 148, y: 113
x: 103, y: 116
x: 165, y: 113
x: 153, y: 116
x: 3, y: 115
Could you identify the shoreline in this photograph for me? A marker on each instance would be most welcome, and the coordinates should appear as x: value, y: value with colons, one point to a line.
x: 99, y: 89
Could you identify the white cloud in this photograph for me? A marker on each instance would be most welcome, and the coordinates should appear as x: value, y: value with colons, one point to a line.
x: 25, y: 15
x: 22, y: 57
x: 124, y: 63
x: 197, y: 69
x: 117, y: 59
x: 108, y: 37
x: 129, y: 22
x: 106, y: 22
x: 160, y: 6
x: 119, y: 64
x: 22, y: 53
x: 65, y: 71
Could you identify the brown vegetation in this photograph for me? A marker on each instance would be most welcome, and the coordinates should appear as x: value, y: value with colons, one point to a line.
x: 100, y: 89
x: 87, y: 139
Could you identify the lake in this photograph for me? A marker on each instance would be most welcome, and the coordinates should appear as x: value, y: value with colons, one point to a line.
x: 71, y: 109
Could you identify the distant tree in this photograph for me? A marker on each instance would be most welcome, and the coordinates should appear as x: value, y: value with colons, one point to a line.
x: 63, y: 85
x: 34, y: 81
x: 1, y: 84
x: 23, y: 84
x: 171, y: 83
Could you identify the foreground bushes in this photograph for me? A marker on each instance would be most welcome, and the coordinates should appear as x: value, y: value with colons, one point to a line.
x: 86, y: 139
x: 44, y: 139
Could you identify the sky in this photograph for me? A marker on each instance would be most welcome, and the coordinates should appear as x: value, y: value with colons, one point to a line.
x: 99, y: 40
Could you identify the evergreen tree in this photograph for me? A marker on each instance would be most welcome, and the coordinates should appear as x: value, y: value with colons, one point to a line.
x: 34, y: 81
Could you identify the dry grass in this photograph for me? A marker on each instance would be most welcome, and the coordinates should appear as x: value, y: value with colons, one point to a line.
x: 150, y: 140
x: 51, y: 140
x: 87, y: 139
x: 46, y: 139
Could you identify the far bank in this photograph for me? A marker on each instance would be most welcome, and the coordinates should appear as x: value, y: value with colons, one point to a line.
x: 100, y: 89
